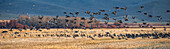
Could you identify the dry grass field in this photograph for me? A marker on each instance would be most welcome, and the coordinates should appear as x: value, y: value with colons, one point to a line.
x: 32, y: 39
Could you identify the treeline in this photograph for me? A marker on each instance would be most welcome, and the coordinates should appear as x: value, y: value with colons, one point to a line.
x: 23, y: 22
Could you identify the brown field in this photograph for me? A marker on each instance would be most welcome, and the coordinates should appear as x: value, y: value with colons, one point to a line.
x: 45, y: 40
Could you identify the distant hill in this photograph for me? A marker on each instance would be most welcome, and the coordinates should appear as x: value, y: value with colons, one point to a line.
x: 14, y: 8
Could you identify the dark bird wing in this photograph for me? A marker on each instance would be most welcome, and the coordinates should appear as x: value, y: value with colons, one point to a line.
x: 116, y: 7
x: 65, y: 12
x: 114, y: 12
x: 133, y: 17
x: 139, y: 11
x: 150, y: 16
x: 102, y: 10
x: 77, y: 13
x: 145, y: 13
x: 167, y: 10
x: 142, y: 7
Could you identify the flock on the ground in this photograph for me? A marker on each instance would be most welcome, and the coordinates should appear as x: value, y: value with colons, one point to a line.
x: 75, y: 34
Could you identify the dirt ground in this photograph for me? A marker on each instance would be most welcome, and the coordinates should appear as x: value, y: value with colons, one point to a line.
x: 32, y: 42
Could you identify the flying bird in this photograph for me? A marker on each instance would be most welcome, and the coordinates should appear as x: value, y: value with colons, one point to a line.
x: 116, y: 7
x: 144, y: 23
x: 167, y: 10
x: 67, y: 16
x: 90, y: 21
x: 133, y: 17
x: 82, y: 18
x: 143, y: 20
x: 106, y: 14
x: 125, y: 8
x: 106, y: 18
x: 121, y: 8
x: 114, y: 12
x: 139, y: 11
x: 150, y: 16
x: 145, y: 13
x: 65, y: 12
x: 126, y: 19
x: 56, y: 17
x: 142, y: 7
x: 167, y: 24
x: 102, y: 10
x: 106, y: 22
x: 66, y: 20
x: 120, y: 21
x: 160, y: 18
x: 93, y: 13
x: 77, y: 13
x: 87, y: 12
x: 91, y: 17
x: 99, y: 13
x: 40, y: 17
x: 71, y: 13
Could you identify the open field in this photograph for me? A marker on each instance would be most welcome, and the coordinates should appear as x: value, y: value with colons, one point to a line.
x: 83, y: 43
x: 52, y: 39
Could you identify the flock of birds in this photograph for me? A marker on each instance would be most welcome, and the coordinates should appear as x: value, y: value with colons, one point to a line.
x: 154, y: 35
x: 106, y: 15
x: 95, y: 13
x: 133, y: 36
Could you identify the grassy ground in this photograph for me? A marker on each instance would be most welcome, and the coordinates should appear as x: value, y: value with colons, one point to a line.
x: 28, y: 42
x: 82, y: 43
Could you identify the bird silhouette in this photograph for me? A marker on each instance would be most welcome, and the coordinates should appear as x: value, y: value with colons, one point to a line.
x: 102, y: 10
x: 142, y: 7
x: 150, y: 16
x: 65, y: 12
x: 133, y: 17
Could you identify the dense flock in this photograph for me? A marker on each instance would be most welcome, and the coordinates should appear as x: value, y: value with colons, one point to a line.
x: 93, y: 34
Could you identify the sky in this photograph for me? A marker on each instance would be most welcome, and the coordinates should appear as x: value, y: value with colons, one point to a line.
x: 13, y: 8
